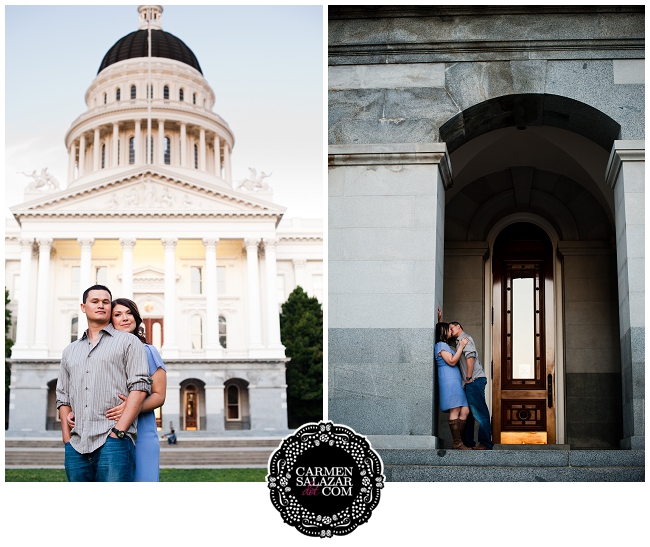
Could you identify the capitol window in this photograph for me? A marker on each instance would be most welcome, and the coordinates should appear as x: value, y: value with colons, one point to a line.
x: 105, y: 98
x: 223, y: 334
x: 117, y: 94
x: 194, y: 98
x: 166, y: 92
x: 167, y: 151
x: 196, y: 157
x: 132, y: 92
x: 74, y: 328
x: 103, y: 156
x: 180, y: 95
x: 131, y: 150
x: 195, y: 275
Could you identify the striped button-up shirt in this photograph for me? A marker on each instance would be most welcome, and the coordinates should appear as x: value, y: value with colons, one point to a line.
x: 92, y: 376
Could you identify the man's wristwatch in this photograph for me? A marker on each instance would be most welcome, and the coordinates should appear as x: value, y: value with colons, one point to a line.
x: 120, y: 434
x: 468, y: 378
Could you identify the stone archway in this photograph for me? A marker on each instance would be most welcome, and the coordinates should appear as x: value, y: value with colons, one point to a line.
x: 540, y: 157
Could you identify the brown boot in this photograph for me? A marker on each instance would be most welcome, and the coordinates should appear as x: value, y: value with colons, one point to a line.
x: 454, y: 425
x: 462, y: 430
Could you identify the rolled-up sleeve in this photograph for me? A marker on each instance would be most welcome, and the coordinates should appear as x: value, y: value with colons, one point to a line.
x: 470, y: 349
x: 137, y: 368
x: 63, y: 385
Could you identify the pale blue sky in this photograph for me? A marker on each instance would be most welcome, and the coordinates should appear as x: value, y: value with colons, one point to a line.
x: 264, y: 63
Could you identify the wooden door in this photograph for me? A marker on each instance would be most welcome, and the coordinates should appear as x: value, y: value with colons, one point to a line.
x: 524, y: 341
x: 153, y: 331
x: 191, y: 408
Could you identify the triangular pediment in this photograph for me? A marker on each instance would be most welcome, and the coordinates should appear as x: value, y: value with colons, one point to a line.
x: 149, y: 193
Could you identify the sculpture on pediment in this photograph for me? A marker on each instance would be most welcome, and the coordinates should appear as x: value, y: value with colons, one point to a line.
x: 113, y: 203
x: 255, y: 182
x: 149, y: 194
x: 167, y: 200
x: 132, y: 199
x: 42, y: 181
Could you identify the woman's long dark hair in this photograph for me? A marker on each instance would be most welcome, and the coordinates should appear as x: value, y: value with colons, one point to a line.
x: 133, y: 307
x: 442, y: 332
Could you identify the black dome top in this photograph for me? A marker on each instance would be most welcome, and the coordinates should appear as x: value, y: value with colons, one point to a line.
x: 163, y: 44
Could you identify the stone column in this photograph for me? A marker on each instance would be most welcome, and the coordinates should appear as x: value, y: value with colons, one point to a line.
x: 217, y: 155
x: 161, y: 142
x: 202, y: 154
x: 127, y: 266
x: 300, y: 272
x: 116, y: 140
x: 22, y: 317
x: 72, y: 152
x: 212, y: 346
x: 138, y: 143
x: 369, y: 318
x: 253, y: 300
x: 43, y: 296
x: 272, y: 309
x: 170, y: 349
x: 82, y: 155
x: 183, y: 145
x: 626, y: 175
x: 214, y: 408
x: 96, y: 150
x: 227, y: 163
x: 85, y: 277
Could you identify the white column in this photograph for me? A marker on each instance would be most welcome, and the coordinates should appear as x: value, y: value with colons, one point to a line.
x: 85, y: 277
x: 42, y: 296
x: 170, y: 349
x: 138, y: 144
x: 227, y: 163
x: 72, y: 152
x: 183, y: 145
x: 82, y: 155
x: 161, y: 142
x: 96, y: 164
x: 272, y: 309
x: 300, y: 273
x: 116, y: 140
x: 254, y: 303
x: 202, y: 149
x: 127, y: 266
x: 212, y: 346
x: 217, y: 155
x: 22, y: 318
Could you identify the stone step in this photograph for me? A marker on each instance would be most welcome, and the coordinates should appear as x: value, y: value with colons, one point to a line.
x: 185, y: 443
x: 172, y: 457
x: 513, y: 465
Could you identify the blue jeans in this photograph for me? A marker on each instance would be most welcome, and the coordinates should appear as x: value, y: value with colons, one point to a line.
x: 112, y: 462
x: 475, y: 393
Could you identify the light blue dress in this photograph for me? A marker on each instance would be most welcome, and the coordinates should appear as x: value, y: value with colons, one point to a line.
x: 147, y: 445
x: 450, y: 386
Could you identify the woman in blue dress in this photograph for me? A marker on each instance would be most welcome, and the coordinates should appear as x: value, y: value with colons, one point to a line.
x: 126, y: 317
x: 452, y: 396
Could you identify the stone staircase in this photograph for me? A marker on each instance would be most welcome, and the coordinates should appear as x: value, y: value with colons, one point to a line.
x: 508, y: 463
x: 188, y: 453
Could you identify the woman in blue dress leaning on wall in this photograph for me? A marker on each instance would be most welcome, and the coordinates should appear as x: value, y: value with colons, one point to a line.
x: 452, y: 396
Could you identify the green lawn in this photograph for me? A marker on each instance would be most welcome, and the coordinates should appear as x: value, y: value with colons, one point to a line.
x: 166, y: 475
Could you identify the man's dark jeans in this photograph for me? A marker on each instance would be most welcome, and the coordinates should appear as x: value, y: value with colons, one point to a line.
x: 475, y: 393
x: 112, y: 462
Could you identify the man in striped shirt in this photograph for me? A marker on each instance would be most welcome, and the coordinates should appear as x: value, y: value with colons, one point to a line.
x: 97, y: 367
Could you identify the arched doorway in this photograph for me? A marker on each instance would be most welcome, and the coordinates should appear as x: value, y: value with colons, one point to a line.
x: 529, y: 190
x: 192, y: 395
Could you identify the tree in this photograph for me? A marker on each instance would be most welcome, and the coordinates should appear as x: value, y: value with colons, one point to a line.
x: 301, y: 329
x: 8, y: 344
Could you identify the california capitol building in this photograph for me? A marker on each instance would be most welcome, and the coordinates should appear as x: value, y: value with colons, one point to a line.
x: 208, y: 260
